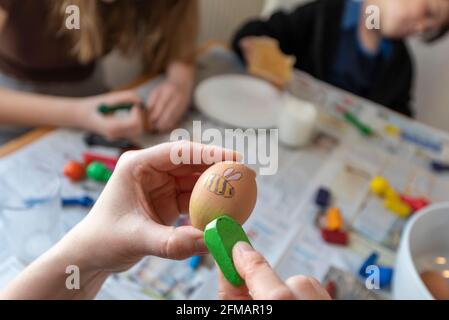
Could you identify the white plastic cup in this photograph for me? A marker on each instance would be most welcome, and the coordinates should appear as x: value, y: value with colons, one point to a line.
x: 425, y: 235
x: 296, y: 122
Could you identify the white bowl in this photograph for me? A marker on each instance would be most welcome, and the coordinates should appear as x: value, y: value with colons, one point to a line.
x: 239, y: 100
x: 426, y: 234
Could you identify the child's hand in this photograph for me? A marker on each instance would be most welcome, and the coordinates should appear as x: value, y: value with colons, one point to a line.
x: 262, y: 283
x: 167, y: 103
x: 131, y: 219
x: 130, y: 126
x: 134, y: 215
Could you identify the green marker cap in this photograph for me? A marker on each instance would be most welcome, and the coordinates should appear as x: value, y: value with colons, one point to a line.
x: 220, y: 236
x: 107, y: 109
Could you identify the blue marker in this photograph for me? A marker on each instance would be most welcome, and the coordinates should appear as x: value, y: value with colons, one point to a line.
x: 385, y: 276
x: 86, y: 202
x: 421, y: 141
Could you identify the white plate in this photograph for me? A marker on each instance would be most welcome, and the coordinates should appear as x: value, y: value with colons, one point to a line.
x: 239, y: 100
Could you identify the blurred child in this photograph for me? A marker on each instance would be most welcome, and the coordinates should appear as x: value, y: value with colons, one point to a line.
x: 41, y: 58
x: 331, y: 41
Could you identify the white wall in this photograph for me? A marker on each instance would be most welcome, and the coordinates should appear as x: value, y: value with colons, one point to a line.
x: 432, y: 82
x: 221, y: 18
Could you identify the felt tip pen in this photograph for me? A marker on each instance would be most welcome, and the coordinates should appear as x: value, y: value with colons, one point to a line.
x: 85, y: 201
x: 106, y: 109
x: 352, y: 119
x: 359, y: 125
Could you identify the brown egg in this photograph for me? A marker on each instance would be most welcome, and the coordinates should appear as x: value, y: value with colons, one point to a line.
x: 437, y: 284
x: 227, y: 188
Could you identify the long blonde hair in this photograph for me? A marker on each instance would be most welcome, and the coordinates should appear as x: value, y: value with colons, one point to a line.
x: 165, y: 30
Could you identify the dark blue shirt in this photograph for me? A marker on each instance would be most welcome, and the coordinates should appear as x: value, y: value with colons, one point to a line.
x: 355, y: 68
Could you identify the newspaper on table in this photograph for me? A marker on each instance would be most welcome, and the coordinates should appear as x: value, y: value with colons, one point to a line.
x: 282, y: 225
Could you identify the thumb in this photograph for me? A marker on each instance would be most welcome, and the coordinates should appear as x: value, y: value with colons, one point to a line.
x: 261, y: 280
x: 174, y: 242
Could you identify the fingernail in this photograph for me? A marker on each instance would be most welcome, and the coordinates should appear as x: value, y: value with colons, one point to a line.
x: 242, y: 247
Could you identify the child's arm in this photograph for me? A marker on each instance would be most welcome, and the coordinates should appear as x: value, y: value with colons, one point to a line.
x: 292, y: 30
x: 62, y: 273
x: 132, y: 219
x: 37, y: 110
x: 28, y: 109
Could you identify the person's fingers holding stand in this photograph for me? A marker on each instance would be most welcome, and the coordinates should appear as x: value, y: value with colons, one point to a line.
x: 306, y: 288
x: 227, y: 291
x: 262, y: 282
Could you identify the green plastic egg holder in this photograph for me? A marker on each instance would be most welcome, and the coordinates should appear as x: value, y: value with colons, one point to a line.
x: 220, y: 236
